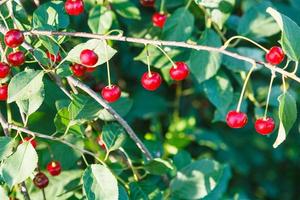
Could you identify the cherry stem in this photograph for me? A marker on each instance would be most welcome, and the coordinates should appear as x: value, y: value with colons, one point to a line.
x: 165, y: 53
x: 284, y: 84
x: 244, y: 87
x: 269, y: 94
x: 296, y: 67
x: 286, y: 65
x: 4, y: 21
x: 188, y: 4
x: 107, y: 63
x: 148, y: 61
x: 243, y: 38
x: 162, y: 6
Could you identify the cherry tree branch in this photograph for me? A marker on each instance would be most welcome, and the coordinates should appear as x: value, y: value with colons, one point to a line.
x: 166, y: 43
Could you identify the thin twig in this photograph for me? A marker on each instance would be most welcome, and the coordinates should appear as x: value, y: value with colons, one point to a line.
x: 25, y: 191
x: 3, y: 123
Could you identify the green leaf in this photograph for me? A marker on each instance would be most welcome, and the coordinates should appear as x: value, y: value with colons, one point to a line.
x: 64, y: 70
x: 290, y: 37
x: 20, y: 165
x: 136, y: 192
x: 98, y: 46
x: 122, y: 193
x: 24, y: 85
x: 179, y: 25
x: 208, y: 3
x: 257, y: 23
x: 100, y: 19
x: 287, y: 115
x: 126, y: 9
x: 3, y: 194
x: 158, y: 166
x: 220, y: 15
x: 203, y: 64
x: 113, y: 135
x: 6, y: 147
x: 41, y: 56
x: 50, y: 16
x: 99, y: 183
x: 182, y: 159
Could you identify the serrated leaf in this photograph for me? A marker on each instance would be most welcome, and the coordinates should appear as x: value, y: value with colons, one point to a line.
x: 99, y: 183
x: 100, y: 19
x: 6, y: 147
x: 287, y: 115
x: 24, y: 85
x: 98, y: 46
x: 158, y: 166
x: 20, y: 165
x: 113, y: 135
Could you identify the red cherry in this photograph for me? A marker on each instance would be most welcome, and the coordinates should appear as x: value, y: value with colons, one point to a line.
x: 90, y: 69
x: 78, y: 70
x: 54, y: 168
x: 3, y: 92
x: 236, y: 119
x: 88, y: 57
x: 159, y: 19
x: 151, y: 82
x: 32, y: 141
x: 4, y: 70
x: 101, y: 143
x: 180, y: 71
x: 16, y: 58
x: 14, y: 38
x: 74, y: 7
x: 264, y: 126
x: 147, y: 3
x: 275, y: 55
x: 54, y: 58
x: 111, y: 93
x: 41, y: 180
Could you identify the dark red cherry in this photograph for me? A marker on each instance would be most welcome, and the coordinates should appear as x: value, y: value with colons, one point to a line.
x: 41, y: 180
x: 14, y: 38
x: 3, y: 92
x: 236, y: 119
x: 264, y: 126
x: 4, y: 70
x: 180, y: 71
x: 16, y: 58
x: 53, y: 58
x: 275, y: 55
x: 78, y: 70
x: 74, y: 7
x: 32, y: 141
x: 159, y: 19
x: 147, y: 3
x: 111, y: 93
x: 151, y: 81
x: 54, y: 168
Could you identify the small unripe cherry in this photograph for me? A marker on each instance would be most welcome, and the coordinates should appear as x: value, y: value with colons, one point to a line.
x: 4, y: 70
x: 236, y: 119
x: 147, y: 3
x: 180, y: 71
x: 14, y: 38
x: 41, y: 180
x: 16, y: 58
x: 54, y: 168
x: 275, y: 55
x: 88, y: 57
x: 54, y: 58
x: 3, y: 92
x: 78, y: 70
x: 74, y: 7
x: 159, y: 19
x: 32, y: 141
x: 151, y: 81
x: 111, y: 93
x: 264, y: 126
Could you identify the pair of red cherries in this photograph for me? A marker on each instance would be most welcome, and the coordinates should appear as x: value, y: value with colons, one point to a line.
x: 53, y: 167
x: 263, y: 126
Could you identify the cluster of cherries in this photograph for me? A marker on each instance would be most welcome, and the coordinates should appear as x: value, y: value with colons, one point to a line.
x: 53, y: 167
x: 265, y: 125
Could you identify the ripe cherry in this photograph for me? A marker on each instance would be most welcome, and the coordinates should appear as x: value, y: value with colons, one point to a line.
x: 4, y: 70
x: 32, y: 141
x: 275, y: 55
x: 41, y: 180
x: 3, y: 92
x: 180, y: 71
x: 14, y: 38
x: 147, y: 3
x: 236, y: 119
x: 88, y: 57
x: 54, y: 58
x: 54, y: 168
x: 90, y: 69
x: 74, y: 7
x: 16, y: 58
x: 78, y: 70
x: 159, y: 19
x: 264, y: 126
x: 151, y: 82
x: 111, y: 93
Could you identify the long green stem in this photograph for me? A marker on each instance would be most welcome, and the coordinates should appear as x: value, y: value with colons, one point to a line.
x: 148, y: 61
x: 162, y: 6
x: 243, y: 38
x: 165, y: 53
x: 269, y: 94
x: 107, y: 64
